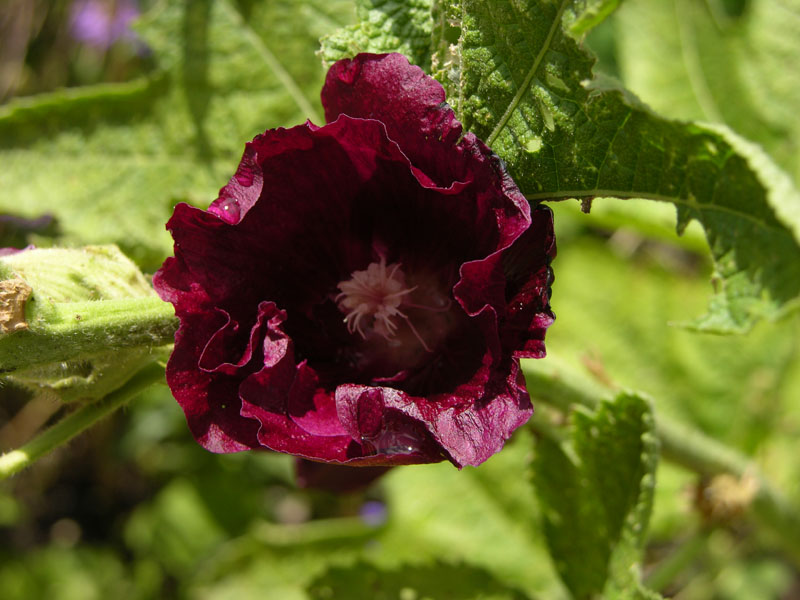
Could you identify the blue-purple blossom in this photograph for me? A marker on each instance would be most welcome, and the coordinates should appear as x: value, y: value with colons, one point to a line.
x: 100, y: 23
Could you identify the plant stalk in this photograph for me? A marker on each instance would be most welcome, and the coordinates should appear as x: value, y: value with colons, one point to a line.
x: 16, y: 460
x: 77, y: 329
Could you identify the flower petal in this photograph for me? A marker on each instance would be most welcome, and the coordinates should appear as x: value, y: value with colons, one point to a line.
x: 385, y: 87
x: 210, y: 401
x: 263, y: 358
x: 469, y: 432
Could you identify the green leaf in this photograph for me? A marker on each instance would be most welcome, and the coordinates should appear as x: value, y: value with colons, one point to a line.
x: 75, y: 573
x: 177, y: 527
x: 440, y: 581
x: 110, y: 161
x: 384, y: 26
x: 440, y: 520
x: 696, y: 60
x: 614, y: 305
x: 437, y: 512
x: 582, y: 15
x: 520, y: 83
x: 207, y: 527
x: 596, y: 494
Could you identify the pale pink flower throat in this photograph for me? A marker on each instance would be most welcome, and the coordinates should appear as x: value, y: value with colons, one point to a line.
x: 371, y: 300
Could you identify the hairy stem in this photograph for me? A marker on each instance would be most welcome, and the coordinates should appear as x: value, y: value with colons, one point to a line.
x: 558, y: 386
x: 71, y: 330
x: 78, y: 421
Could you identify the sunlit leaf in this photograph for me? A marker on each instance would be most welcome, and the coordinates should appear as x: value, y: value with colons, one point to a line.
x: 582, y: 15
x: 596, y: 493
x: 708, y: 61
x: 384, y: 26
x: 524, y: 86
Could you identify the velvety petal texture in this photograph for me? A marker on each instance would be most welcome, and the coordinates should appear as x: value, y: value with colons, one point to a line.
x: 361, y: 293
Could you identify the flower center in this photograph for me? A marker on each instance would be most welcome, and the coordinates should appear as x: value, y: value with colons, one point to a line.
x: 371, y: 301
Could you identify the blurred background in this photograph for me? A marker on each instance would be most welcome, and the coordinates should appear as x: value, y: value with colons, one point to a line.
x: 50, y: 44
x: 135, y: 509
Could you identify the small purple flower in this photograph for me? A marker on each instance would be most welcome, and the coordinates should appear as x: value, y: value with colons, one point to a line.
x: 100, y: 23
x: 361, y: 293
x: 374, y: 513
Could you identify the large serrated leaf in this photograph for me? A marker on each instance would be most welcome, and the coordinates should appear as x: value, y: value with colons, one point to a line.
x: 384, y: 26
x: 109, y: 161
x: 524, y: 86
x: 596, y: 493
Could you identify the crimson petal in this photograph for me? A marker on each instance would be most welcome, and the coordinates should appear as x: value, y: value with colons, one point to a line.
x: 263, y: 358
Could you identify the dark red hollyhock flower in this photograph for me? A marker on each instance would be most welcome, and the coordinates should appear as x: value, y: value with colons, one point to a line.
x: 361, y: 293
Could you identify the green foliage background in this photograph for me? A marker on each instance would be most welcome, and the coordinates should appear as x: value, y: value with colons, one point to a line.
x: 135, y: 509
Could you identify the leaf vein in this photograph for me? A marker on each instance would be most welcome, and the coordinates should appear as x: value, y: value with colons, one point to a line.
x: 694, y: 69
x: 529, y: 77
x: 275, y: 65
x: 610, y: 147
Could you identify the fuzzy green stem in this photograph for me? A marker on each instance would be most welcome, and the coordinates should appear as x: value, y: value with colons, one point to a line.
x: 72, y: 330
x: 77, y: 422
x: 559, y: 386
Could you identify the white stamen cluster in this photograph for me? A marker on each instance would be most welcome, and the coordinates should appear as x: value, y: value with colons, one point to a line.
x: 375, y: 293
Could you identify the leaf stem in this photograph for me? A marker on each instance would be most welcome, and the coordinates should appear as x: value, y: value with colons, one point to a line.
x: 14, y: 461
x: 559, y: 386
